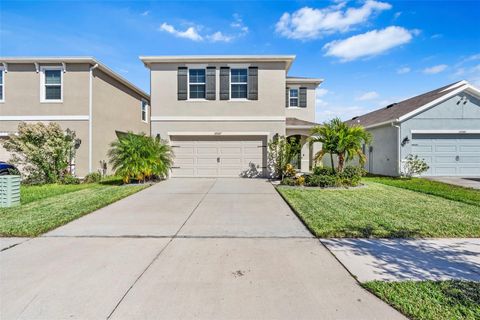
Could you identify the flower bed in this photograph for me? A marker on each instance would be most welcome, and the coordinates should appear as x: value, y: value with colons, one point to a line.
x: 327, y: 178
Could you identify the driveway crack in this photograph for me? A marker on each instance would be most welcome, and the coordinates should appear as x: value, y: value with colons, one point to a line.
x: 160, y: 252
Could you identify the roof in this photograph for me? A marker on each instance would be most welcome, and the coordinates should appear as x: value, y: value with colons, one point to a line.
x: 288, y: 59
x: 298, y: 123
x: 90, y: 60
x: 397, y: 112
x: 316, y: 81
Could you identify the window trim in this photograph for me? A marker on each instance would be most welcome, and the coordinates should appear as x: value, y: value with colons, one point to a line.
x: 2, y: 71
x: 204, y: 68
x: 231, y: 83
x: 142, y: 104
x: 297, y: 97
x: 43, y: 84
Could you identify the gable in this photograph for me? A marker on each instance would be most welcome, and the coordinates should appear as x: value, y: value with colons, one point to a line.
x: 460, y: 106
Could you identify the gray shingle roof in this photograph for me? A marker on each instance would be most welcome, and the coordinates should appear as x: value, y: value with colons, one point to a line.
x: 396, y: 110
x: 299, y: 122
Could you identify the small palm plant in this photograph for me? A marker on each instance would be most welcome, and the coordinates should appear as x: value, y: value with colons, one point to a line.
x: 140, y: 157
x: 342, y: 140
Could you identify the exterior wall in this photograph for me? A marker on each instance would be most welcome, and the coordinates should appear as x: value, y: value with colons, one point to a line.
x: 115, y: 107
x: 383, y: 157
x: 445, y: 116
x: 22, y: 91
x: 308, y: 113
x: 81, y: 131
x: 271, y: 94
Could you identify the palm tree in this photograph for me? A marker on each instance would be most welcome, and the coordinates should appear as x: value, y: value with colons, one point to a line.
x: 342, y: 140
x: 140, y: 157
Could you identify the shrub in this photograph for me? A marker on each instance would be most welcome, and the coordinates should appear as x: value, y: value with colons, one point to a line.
x: 140, y: 157
x: 323, y: 171
x: 92, y: 177
x: 69, y: 179
x: 414, y: 166
x: 42, y: 151
x: 281, y: 152
x: 321, y: 181
x: 289, y: 171
x: 354, y: 172
x: 288, y: 181
x: 300, y: 181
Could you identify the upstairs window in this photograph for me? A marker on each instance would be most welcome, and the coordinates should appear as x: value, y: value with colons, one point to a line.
x: 52, y: 81
x: 144, y: 111
x: 2, y: 93
x: 293, y: 97
x: 239, y: 80
x: 196, y: 83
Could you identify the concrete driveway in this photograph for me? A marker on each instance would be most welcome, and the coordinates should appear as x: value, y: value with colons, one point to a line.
x: 183, y: 249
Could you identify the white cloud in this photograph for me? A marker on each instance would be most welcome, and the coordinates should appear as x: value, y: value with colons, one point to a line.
x: 403, y: 70
x: 219, y: 37
x: 238, y: 24
x: 368, y: 44
x: 344, y: 113
x: 321, y: 92
x: 435, y: 69
x: 371, y: 95
x: 311, y: 23
x: 190, y: 33
x: 397, y: 15
x: 436, y: 36
x: 145, y: 13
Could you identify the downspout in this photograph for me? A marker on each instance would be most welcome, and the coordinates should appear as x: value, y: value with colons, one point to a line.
x: 399, y: 161
x: 90, y: 119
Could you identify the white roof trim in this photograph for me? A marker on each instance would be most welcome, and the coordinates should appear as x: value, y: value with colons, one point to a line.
x: 437, y: 101
x: 288, y: 59
x: 64, y: 60
x: 217, y: 119
x: 316, y: 81
x: 217, y: 133
x: 461, y: 83
x: 46, y: 118
x: 380, y: 124
x: 301, y: 127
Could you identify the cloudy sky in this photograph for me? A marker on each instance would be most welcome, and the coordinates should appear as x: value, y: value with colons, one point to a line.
x: 370, y: 53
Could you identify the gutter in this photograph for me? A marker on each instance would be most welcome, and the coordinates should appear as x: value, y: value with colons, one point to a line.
x: 90, y: 120
x: 399, y: 150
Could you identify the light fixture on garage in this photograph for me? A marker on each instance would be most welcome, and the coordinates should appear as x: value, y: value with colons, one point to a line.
x: 405, y: 141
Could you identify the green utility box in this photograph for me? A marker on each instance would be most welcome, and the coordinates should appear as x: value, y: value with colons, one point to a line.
x: 9, y: 191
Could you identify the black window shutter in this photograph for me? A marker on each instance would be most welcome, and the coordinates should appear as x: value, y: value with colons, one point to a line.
x: 224, y: 83
x: 182, y: 92
x: 210, y: 87
x: 286, y: 97
x: 302, y: 103
x: 252, y: 83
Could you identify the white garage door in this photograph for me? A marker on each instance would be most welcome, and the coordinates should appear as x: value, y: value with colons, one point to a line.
x: 211, y: 156
x: 449, y: 154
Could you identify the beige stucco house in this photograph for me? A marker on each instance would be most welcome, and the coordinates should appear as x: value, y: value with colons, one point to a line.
x: 218, y: 112
x: 79, y: 93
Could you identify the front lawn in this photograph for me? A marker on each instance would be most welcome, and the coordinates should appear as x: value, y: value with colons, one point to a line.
x: 444, y: 190
x: 378, y: 210
x: 431, y: 300
x: 47, y: 207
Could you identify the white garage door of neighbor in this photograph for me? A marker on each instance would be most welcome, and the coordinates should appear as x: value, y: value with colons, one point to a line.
x: 212, y: 156
x: 449, y: 154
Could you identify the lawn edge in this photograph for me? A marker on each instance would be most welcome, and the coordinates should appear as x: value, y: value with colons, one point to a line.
x: 36, y: 235
x: 332, y: 254
x: 363, y: 285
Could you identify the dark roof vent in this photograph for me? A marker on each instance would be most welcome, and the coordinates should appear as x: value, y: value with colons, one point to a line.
x: 356, y: 117
x: 390, y: 105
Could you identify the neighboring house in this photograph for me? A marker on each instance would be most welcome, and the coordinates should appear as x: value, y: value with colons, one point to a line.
x: 78, y: 93
x: 441, y: 126
x: 218, y: 112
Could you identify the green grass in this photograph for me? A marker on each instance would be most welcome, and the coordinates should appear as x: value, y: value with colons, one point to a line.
x: 431, y: 300
x: 47, y: 207
x: 444, y: 190
x: 382, y: 211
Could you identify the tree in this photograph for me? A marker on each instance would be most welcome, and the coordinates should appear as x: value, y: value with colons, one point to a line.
x: 42, y: 151
x: 342, y: 140
x: 281, y: 152
x: 140, y: 157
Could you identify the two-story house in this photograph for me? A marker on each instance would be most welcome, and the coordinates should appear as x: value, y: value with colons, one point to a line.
x: 79, y: 93
x: 219, y: 112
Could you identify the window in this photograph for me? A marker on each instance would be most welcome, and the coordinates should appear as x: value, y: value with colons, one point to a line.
x: 293, y: 97
x: 2, y: 91
x: 144, y: 111
x: 52, y: 78
x: 196, y: 86
x: 238, y: 80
